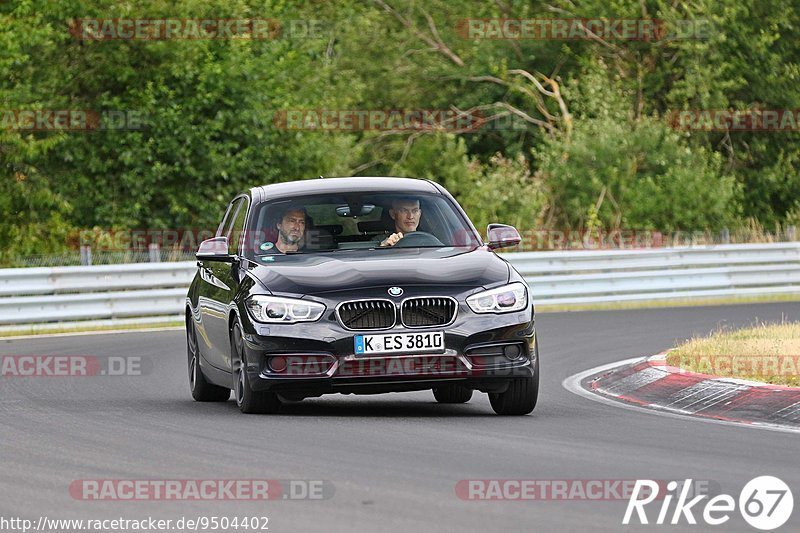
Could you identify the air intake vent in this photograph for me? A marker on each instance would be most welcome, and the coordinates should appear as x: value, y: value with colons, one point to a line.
x: 367, y: 314
x: 420, y: 312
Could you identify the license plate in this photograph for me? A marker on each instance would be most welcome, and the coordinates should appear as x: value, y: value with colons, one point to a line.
x: 431, y: 342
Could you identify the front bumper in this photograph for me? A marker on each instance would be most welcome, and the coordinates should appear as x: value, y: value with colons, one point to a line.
x: 321, y: 360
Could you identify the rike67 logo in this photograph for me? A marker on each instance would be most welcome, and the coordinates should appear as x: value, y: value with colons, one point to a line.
x: 766, y: 503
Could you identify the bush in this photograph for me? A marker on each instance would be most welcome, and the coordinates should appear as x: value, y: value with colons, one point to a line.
x: 618, y: 174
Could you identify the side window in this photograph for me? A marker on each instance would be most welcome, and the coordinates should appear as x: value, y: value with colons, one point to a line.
x: 225, y: 226
x: 237, y: 229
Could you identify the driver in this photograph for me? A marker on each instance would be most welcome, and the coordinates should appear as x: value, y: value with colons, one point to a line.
x: 406, y: 213
x: 291, y: 229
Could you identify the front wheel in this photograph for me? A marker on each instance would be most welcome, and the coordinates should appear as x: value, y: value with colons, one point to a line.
x: 202, y: 390
x: 521, y: 396
x: 248, y: 400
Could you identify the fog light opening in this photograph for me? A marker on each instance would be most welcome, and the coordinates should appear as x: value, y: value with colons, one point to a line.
x: 512, y: 352
x: 277, y: 364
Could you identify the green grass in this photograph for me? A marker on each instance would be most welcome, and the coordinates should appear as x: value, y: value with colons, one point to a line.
x: 766, y: 352
x: 78, y: 328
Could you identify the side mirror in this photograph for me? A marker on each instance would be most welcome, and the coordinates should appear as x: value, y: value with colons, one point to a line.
x: 502, y: 236
x: 215, y: 249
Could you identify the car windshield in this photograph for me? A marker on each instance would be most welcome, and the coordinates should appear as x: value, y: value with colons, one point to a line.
x: 328, y: 223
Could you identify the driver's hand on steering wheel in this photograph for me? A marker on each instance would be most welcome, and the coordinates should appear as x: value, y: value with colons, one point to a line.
x: 392, y: 239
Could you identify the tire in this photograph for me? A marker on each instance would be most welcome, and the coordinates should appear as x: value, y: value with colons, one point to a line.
x: 248, y: 400
x: 202, y: 390
x: 452, y: 394
x: 522, y: 394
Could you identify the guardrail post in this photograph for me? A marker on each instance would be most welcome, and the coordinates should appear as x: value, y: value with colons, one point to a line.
x: 155, y: 252
x: 86, y: 255
x: 791, y: 233
x: 726, y: 236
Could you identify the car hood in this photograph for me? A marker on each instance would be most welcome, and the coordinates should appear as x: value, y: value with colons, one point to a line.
x: 362, y: 269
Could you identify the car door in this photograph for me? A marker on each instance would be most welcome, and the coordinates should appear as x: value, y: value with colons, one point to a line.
x: 219, y: 283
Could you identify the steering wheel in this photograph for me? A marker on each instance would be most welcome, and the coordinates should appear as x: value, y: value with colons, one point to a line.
x: 418, y: 238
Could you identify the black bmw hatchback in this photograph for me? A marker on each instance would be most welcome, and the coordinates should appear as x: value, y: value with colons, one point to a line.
x: 358, y: 286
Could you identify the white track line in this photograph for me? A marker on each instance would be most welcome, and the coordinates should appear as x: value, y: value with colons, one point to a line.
x: 573, y: 385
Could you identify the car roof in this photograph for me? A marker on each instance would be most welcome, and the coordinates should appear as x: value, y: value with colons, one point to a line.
x: 341, y: 185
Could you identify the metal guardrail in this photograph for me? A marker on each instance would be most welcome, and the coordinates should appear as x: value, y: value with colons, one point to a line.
x: 151, y: 292
x: 585, y: 277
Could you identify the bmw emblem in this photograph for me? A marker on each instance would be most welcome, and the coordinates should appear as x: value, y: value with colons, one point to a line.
x: 395, y: 291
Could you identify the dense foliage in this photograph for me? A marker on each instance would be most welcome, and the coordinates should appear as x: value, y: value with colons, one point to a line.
x: 579, y: 137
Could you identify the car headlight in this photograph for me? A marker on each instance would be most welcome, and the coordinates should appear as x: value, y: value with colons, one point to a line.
x: 276, y: 310
x: 505, y: 299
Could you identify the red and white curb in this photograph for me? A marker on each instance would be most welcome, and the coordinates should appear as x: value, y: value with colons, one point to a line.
x: 651, y: 384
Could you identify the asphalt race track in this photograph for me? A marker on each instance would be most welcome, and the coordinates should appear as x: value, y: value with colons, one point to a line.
x: 394, y: 460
